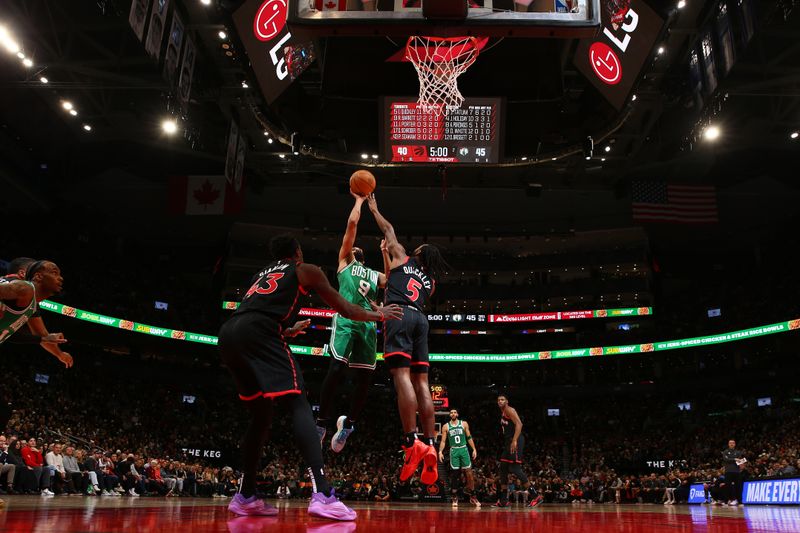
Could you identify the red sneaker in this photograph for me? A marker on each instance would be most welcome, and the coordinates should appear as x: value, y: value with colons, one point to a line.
x: 430, y: 470
x: 414, y: 456
x: 536, y: 502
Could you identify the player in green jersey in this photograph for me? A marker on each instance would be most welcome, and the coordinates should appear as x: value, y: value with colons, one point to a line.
x: 17, y: 270
x: 19, y: 299
x: 458, y: 436
x: 352, y: 343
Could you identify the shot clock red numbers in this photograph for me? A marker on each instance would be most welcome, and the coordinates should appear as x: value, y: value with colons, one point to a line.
x: 439, y: 397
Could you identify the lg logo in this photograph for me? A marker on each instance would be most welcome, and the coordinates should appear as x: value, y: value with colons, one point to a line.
x: 269, y: 22
x: 270, y: 19
x: 605, y: 62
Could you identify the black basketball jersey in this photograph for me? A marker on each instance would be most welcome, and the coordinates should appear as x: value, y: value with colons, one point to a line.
x: 275, y: 292
x: 408, y: 284
x: 507, y: 427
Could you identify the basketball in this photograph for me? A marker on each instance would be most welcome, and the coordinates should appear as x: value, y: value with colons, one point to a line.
x: 362, y: 182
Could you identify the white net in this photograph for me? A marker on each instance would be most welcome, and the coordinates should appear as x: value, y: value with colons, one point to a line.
x: 439, y: 62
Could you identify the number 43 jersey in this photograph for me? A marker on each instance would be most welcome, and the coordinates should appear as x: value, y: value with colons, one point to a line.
x: 409, y: 284
x: 358, y: 284
x: 275, y: 292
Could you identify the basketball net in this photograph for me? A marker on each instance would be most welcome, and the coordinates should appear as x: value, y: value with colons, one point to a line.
x: 439, y: 62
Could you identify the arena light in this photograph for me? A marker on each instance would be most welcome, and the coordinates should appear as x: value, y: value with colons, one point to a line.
x: 170, y: 126
x: 266, y: 134
x: 661, y: 50
x: 681, y: 4
x: 205, y: 2
x: 87, y: 127
x: 222, y: 35
x: 374, y: 156
x: 66, y: 104
x: 608, y: 148
x: 794, y: 135
x: 269, y: 141
x: 244, y: 85
x: 73, y: 112
x: 27, y: 63
x: 8, y: 42
x: 282, y: 156
x: 364, y: 156
x: 44, y: 80
x: 20, y: 55
x: 633, y: 99
x: 711, y: 133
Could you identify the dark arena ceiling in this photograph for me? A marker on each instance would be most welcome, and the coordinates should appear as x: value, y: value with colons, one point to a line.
x: 91, y: 57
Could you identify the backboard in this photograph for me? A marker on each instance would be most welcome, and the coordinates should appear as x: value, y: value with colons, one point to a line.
x: 492, y: 18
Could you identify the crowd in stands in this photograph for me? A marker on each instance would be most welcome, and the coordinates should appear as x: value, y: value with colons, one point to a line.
x: 71, y: 435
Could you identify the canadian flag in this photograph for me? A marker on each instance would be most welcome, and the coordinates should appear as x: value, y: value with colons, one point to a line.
x: 331, y: 5
x: 205, y: 195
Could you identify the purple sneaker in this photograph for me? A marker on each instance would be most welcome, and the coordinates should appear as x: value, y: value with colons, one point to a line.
x: 252, y: 506
x: 323, y: 506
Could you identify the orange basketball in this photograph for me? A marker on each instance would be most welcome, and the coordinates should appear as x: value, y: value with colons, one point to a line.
x: 362, y: 182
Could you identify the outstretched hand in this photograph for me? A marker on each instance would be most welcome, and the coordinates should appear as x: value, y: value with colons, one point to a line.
x: 297, y: 329
x: 372, y: 202
x: 359, y: 199
x: 389, y: 312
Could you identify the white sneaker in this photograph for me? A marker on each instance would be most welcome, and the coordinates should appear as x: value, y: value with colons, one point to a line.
x: 133, y: 493
x: 48, y: 492
x: 97, y: 488
x: 104, y: 493
x: 733, y: 502
x: 340, y: 437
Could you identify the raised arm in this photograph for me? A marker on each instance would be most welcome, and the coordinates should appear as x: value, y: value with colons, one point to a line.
x: 346, y: 251
x: 383, y: 278
x: 312, y: 277
x: 396, y: 250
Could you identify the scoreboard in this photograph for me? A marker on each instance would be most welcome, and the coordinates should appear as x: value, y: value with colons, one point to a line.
x: 439, y: 397
x: 468, y: 134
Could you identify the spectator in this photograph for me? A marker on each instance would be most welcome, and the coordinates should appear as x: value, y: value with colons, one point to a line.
x: 72, y: 472
x: 34, y: 462
x: 7, y: 466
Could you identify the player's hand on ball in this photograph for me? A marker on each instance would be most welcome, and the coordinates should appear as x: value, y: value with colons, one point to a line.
x: 297, y: 329
x: 358, y: 197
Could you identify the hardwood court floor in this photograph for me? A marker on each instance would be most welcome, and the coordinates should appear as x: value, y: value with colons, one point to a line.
x: 70, y: 514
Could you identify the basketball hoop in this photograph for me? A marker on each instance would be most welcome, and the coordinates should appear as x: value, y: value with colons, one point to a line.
x: 439, y: 62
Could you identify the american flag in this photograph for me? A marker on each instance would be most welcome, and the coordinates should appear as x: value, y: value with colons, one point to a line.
x: 656, y: 201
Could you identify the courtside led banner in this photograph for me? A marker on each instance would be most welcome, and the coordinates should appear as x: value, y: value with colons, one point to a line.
x: 773, y: 492
x: 521, y: 317
x: 780, y: 327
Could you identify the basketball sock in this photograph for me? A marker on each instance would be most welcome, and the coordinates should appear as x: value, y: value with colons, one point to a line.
x: 408, y: 439
x: 253, y: 443
x: 307, y: 440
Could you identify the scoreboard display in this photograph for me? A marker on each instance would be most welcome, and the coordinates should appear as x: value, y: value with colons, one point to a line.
x: 439, y: 397
x: 468, y: 134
